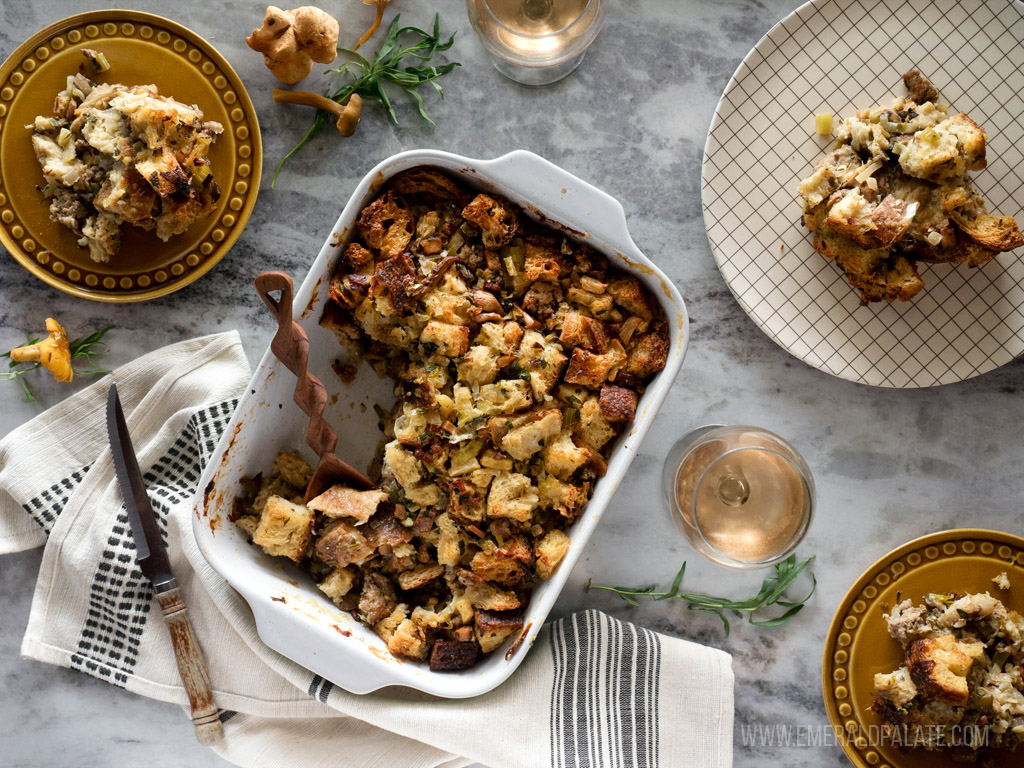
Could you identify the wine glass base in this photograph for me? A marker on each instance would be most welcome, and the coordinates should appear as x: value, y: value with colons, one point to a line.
x: 537, y: 75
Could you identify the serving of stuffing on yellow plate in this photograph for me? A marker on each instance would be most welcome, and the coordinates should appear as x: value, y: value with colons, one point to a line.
x: 114, y: 154
x: 964, y: 657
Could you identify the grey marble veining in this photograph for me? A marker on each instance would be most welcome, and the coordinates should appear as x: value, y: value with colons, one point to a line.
x: 889, y: 465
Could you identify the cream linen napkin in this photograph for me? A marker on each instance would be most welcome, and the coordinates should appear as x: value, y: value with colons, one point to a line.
x: 593, y: 691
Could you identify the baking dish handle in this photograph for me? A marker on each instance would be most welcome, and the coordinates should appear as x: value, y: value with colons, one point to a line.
x: 537, y: 179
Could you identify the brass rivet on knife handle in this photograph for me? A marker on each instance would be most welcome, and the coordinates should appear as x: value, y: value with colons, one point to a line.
x: 205, y: 716
x: 291, y: 346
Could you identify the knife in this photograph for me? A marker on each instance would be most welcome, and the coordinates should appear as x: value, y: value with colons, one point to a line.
x: 153, y: 561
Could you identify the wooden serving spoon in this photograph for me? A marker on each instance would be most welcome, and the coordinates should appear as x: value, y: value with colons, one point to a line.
x: 291, y: 346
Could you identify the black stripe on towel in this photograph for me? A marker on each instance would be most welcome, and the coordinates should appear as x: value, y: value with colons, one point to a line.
x: 604, y: 697
x: 46, y: 507
x: 120, y: 596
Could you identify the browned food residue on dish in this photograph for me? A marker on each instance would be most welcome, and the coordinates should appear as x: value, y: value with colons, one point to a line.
x: 340, y: 631
x: 279, y: 600
x: 518, y: 643
x: 346, y: 371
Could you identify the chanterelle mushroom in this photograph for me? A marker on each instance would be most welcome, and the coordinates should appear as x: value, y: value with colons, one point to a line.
x: 53, y: 352
x: 291, y: 41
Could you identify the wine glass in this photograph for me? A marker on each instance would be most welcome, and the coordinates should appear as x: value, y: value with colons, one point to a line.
x: 741, y: 495
x: 536, y: 42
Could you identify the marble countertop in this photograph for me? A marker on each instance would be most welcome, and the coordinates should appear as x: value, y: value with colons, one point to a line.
x: 889, y: 465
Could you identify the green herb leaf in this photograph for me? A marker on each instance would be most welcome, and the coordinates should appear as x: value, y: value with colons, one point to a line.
x: 386, y: 67
x: 771, y: 593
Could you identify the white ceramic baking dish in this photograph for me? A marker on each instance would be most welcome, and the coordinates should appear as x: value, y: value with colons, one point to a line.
x: 293, y: 617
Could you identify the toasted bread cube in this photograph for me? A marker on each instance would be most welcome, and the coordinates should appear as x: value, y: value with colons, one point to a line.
x: 249, y: 523
x: 479, y: 366
x: 499, y: 570
x: 896, y: 686
x: 343, y: 544
x: 293, y: 468
x: 939, y: 666
x: 339, y: 501
x: 505, y: 565
x: 933, y: 155
x: 503, y: 338
x: 631, y: 296
x: 562, y: 456
x: 506, y: 396
x: 542, y: 262
x: 355, y: 257
x: 420, y: 576
x: 386, y: 626
x: 284, y: 529
x: 587, y: 332
x: 618, y: 403
x: 596, y: 303
x: 564, y: 498
x: 423, y: 496
x: 492, y: 627
x: 496, y: 217
x: 338, y: 583
x: 451, y: 544
x: 458, y: 611
x: 543, y: 360
x: 452, y: 655
x: 525, y: 440
x: 487, y: 597
x: 377, y: 599
x: 551, y: 550
x: 590, y: 369
x: 512, y: 495
x: 593, y: 428
x: 400, y: 464
x: 386, y: 224
x: 451, y: 340
x: 648, y: 354
x: 409, y: 640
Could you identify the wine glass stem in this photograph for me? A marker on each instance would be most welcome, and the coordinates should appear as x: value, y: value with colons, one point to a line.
x: 733, y: 489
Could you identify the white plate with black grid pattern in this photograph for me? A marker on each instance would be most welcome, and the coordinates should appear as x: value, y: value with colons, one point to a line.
x: 839, y: 56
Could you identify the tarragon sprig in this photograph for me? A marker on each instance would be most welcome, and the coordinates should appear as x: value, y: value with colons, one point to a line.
x: 86, y: 347
x: 772, y: 593
x: 386, y: 67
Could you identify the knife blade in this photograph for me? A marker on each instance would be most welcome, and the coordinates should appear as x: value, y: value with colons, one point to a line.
x: 154, y: 564
x: 151, y: 552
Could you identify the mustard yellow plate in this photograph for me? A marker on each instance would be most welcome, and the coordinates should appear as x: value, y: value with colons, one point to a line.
x: 142, y: 49
x: 858, y: 643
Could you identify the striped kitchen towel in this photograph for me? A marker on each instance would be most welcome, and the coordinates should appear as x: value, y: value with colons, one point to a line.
x: 593, y: 691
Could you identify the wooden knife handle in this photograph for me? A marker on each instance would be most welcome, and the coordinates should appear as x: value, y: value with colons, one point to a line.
x: 205, y: 716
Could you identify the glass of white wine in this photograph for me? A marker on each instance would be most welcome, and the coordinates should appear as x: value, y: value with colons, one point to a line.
x: 536, y: 42
x: 741, y: 495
